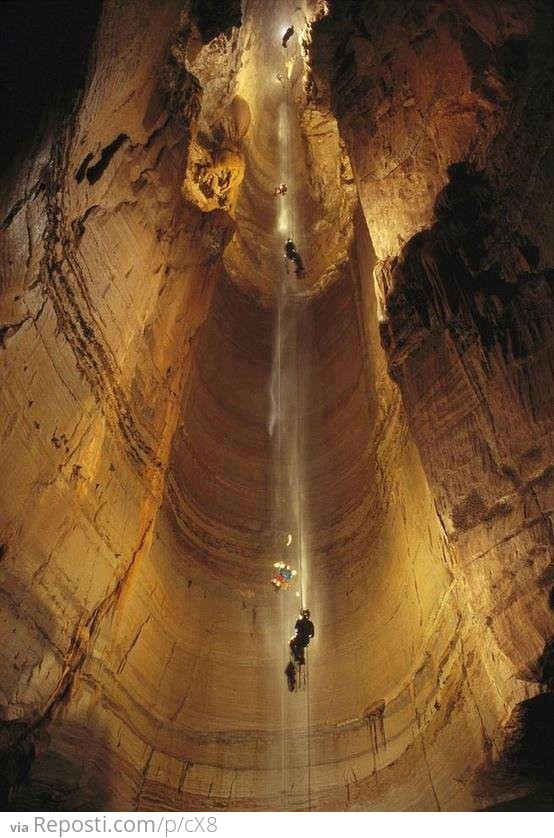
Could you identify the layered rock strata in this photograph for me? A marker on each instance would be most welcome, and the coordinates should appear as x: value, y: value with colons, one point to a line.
x: 452, y: 170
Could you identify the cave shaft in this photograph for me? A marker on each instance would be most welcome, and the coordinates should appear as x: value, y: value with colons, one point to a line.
x: 179, y: 412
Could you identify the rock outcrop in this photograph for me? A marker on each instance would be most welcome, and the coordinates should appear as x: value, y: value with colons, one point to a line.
x: 452, y: 170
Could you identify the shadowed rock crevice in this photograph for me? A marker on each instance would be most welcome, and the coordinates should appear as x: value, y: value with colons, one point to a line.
x: 44, y: 52
x: 524, y: 773
x: 94, y: 172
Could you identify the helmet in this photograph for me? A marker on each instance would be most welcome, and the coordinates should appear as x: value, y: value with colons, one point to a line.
x: 305, y: 612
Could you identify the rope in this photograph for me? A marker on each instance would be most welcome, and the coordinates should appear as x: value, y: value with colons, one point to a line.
x: 280, y: 517
x: 309, y: 735
x: 289, y: 155
x: 297, y: 453
x: 300, y: 556
x: 281, y: 530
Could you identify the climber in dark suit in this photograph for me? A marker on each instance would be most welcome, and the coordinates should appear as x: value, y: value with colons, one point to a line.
x: 292, y: 255
x: 287, y: 36
x: 303, y: 632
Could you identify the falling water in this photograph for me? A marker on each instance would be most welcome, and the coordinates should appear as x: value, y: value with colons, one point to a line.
x: 287, y: 435
x: 286, y: 431
x: 284, y: 207
x: 286, y: 390
x: 284, y: 424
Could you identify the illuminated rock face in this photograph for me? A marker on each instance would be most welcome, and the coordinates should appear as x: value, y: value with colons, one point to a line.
x: 143, y: 646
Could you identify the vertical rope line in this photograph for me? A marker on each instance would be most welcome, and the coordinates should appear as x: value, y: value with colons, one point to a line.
x: 281, y: 515
x: 283, y: 748
x: 309, y: 734
x: 297, y: 464
x: 280, y: 523
x: 289, y: 155
x: 300, y: 554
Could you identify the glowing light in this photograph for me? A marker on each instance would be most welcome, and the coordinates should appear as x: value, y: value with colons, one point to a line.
x: 289, y: 540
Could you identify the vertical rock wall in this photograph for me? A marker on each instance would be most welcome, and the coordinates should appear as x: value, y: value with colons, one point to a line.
x: 106, y: 276
x: 444, y: 110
